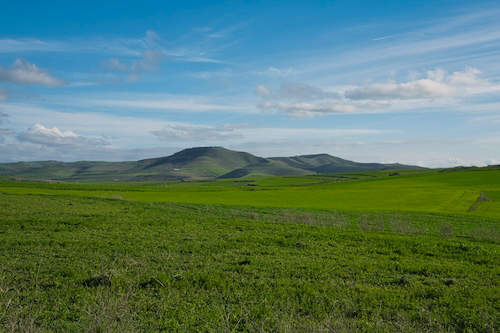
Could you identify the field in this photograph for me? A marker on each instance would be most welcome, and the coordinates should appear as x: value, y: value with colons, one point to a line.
x: 413, y: 252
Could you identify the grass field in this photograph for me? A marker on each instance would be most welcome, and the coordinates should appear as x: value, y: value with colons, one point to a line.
x: 352, y: 252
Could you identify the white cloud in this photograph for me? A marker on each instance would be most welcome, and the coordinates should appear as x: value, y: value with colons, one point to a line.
x: 192, y: 133
x: 437, y: 84
x: 278, y: 71
x: 24, y: 72
x: 40, y: 134
x: 419, y: 89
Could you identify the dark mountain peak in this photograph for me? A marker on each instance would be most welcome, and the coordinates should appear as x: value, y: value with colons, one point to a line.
x: 221, y: 153
x: 314, y: 155
x: 202, y: 150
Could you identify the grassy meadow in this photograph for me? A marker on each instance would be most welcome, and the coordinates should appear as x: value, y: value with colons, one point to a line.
x: 413, y: 252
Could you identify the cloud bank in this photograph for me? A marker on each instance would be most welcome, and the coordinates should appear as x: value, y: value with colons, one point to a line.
x: 298, y: 100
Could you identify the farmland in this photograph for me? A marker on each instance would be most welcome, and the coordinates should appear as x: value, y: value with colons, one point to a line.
x: 416, y: 251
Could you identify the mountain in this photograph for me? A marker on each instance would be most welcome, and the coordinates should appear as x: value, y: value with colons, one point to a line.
x: 190, y: 164
x: 202, y: 162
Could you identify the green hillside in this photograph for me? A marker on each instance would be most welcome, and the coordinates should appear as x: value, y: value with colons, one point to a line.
x: 76, y: 171
x: 267, y: 167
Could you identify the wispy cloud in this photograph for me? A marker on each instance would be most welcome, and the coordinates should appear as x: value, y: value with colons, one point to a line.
x: 149, y: 61
x: 149, y: 58
x: 138, y: 47
x: 383, y: 37
x: 8, y: 45
x: 55, y: 137
x: 460, y: 39
x: 24, y: 72
x: 159, y: 102
x: 308, y: 109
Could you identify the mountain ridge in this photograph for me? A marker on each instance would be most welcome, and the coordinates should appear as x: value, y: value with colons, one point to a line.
x: 190, y: 164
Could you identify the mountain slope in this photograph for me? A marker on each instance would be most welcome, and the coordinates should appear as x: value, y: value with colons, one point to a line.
x: 325, y: 164
x: 266, y: 168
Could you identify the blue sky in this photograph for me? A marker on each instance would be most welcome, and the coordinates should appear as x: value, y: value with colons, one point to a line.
x: 394, y: 81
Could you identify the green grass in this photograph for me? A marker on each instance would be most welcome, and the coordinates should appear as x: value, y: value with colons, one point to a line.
x: 428, y: 191
x: 356, y: 252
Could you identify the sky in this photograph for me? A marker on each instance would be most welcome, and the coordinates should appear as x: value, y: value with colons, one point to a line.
x: 415, y: 82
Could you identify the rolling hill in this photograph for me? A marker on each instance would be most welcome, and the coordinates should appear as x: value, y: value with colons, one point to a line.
x: 325, y: 164
x: 188, y: 164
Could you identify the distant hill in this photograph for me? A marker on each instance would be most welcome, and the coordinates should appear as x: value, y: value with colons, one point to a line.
x: 472, y: 168
x: 192, y: 163
x: 325, y: 164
